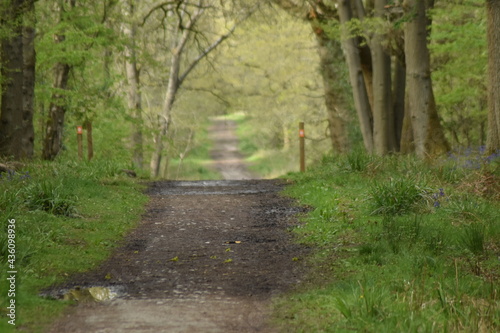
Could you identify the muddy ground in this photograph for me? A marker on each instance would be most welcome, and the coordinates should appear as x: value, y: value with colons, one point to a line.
x: 208, y: 256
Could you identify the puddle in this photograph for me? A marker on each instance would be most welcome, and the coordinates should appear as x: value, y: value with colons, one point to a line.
x: 86, y: 294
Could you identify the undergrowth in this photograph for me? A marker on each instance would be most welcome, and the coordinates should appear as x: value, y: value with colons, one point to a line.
x: 402, y: 246
x: 68, y: 217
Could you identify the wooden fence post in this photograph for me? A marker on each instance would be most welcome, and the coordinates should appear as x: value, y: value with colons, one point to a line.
x: 79, y: 134
x: 302, y: 136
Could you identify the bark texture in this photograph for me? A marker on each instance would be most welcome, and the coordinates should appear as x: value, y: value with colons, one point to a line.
x: 360, y: 92
x: 493, y: 12
x: 429, y: 139
x: 383, y: 112
x: 170, y: 94
x: 18, y: 81
x: 331, y: 57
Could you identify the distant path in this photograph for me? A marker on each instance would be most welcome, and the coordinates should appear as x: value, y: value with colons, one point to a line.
x: 227, y: 159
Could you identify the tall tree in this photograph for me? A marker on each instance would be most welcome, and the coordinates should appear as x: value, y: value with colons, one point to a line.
x: 360, y: 86
x: 53, y: 139
x: 330, y: 52
x: 134, y: 94
x: 429, y: 139
x: 188, y: 14
x: 493, y: 12
x: 18, y: 78
x: 384, y: 132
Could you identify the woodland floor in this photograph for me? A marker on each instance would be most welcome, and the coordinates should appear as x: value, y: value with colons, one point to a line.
x: 208, y: 256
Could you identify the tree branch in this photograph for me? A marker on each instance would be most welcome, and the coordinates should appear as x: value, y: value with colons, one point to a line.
x: 205, y: 53
x: 212, y: 47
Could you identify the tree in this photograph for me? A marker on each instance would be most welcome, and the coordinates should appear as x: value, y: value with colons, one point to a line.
x: 330, y: 53
x: 429, y: 139
x: 493, y: 13
x: 53, y: 139
x: 134, y: 94
x: 72, y: 58
x: 360, y: 86
x: 18, y: 79
x: 184, y: 27
x: 384, y: 131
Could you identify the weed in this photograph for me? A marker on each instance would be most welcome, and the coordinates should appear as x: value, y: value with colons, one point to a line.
x: 356, y: 160
x: 473, y: 238
x: 401, y: 231
x: 396, y: 196
x: 51, y: 198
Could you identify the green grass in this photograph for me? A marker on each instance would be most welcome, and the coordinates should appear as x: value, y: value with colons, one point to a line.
x: 69, y: 216
x: 268, y: 158
x: 400, y: 247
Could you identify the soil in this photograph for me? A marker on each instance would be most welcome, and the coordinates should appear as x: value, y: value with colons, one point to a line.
x: 208, y: 256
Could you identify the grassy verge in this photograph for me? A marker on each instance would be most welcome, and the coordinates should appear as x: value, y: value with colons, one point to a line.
x: 68, y: 217
x: 265, y: 156
x: 402, y: 247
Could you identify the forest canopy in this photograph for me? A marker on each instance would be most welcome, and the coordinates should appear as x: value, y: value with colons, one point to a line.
x: 413, y: 77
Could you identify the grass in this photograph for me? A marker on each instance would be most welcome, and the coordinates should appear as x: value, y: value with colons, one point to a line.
x: 68, y: 217
x: 401, y: 246
x: 266, y: 156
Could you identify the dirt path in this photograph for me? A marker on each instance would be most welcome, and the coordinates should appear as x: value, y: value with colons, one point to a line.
x: 207, y: 257
x: 226, y: 157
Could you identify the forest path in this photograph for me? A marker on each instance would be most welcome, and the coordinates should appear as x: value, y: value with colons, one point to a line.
x: 225, y: 154
x: 208, y: 256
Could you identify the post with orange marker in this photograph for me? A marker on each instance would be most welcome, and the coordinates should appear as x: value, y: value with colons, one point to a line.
x: 302, y: 136
x: 79, y: 135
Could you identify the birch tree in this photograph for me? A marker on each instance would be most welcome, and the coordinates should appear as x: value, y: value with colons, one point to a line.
x: 187, y: 16
x: 134, y: 94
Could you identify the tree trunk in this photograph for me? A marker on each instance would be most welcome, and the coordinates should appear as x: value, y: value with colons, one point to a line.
x: 134, y: 98
x: 361, y: 100
x: 18, y: 73
x: 429, y: 139
x: 330, y: 53
x: 53, y: 139
x: 399, y: 100
x: 493, y: 139
x: 29, y: 58
x: 384, y: 138
x: 166, y: 114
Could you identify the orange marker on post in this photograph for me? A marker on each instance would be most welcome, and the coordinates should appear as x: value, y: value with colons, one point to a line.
x: 79, y: 132
x: 302, y: 136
